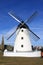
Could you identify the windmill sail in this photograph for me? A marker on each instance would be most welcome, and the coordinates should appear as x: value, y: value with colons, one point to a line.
x: 34, y: 36
x: 11, y: 33
x: 31, y: 17
x: 17, y: 18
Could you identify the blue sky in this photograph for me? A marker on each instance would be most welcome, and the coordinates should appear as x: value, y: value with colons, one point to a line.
x: 24, y: 9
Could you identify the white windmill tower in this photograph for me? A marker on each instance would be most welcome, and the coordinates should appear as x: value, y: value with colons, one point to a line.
x: 22, y: 43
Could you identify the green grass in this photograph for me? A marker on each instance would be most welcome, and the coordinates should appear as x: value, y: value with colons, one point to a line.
x: 20, y: 61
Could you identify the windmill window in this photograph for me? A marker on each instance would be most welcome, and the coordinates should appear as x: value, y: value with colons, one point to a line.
x: 22, y: 30
x: 22, y: 46
x: 21, y: 37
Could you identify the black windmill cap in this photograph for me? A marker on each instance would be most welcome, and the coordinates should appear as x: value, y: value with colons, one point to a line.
x: 23, y: 26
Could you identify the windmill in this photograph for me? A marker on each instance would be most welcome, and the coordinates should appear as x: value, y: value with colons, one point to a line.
x: 22, y: 40
x: 23, y: 27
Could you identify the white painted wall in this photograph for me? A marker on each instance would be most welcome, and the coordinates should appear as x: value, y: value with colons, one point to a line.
x: 25, y: 41
x: 20, y: 54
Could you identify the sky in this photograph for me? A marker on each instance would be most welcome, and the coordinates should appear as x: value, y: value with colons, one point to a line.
x: 24, y: 9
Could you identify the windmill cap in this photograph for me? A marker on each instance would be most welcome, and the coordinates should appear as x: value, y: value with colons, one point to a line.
x: 23, y: 26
